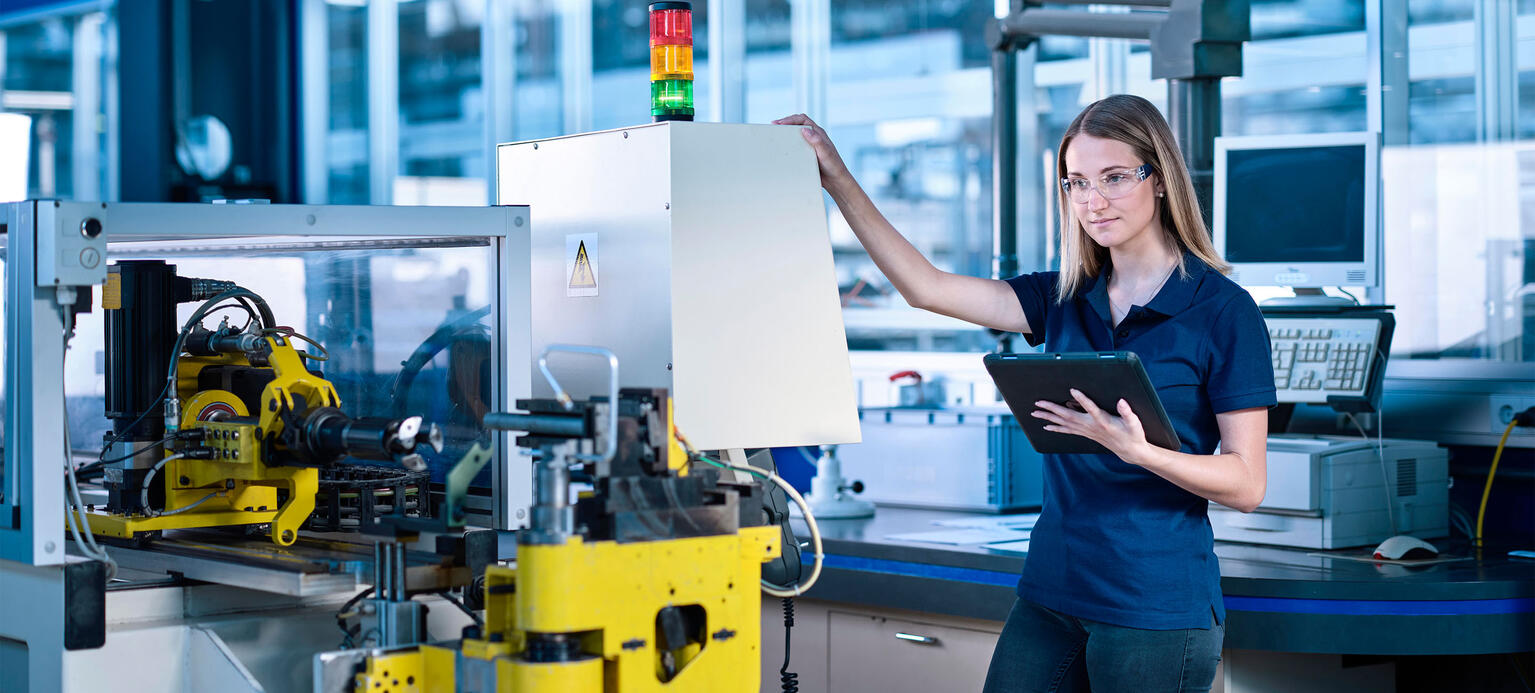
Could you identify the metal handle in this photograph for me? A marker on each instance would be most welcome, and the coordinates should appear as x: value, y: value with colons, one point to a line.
x: 919, y: 639
x: 564, y: 397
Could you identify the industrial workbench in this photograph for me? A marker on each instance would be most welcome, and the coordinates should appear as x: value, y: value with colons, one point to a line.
x: 1278, y: 600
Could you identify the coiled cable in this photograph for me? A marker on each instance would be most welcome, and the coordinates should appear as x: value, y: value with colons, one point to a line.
x: 787, y: 679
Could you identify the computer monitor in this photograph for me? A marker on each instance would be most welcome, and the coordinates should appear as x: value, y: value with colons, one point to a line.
x: 1299, y: 210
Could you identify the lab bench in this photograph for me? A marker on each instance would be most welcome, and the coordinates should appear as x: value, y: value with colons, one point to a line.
x: 897, y: 615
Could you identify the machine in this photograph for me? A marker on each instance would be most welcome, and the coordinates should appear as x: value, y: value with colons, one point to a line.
x: 159, y: 390
x: 647, y: 582
x: 972, y: 458
x: 619, y: 543
x: 1333, y: 492
x: 242, y: 426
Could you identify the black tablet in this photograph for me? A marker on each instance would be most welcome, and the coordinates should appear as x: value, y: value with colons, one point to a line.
x: 1105, y: 377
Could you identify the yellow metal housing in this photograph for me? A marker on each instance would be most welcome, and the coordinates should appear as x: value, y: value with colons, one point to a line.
x: 235, y: 487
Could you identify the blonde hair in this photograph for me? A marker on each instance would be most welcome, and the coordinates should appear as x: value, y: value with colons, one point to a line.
x: 1135, y: 122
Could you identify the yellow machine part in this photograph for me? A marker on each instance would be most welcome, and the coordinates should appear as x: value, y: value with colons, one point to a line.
x: 676, y: 457
x: 404, y: 672
x: 245, y: 488
x: 617, y: 590
x: 580, y: 675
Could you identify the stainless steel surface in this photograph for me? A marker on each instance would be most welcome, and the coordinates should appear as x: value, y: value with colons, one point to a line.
x: 71, y: 243
x: 713, y: 274
x: 608, y: 442
x: 474, y: 675
x: 393, y: 623
x: 335, y: 672
x: 313, y: 566
x: 553, y: 518
x: 31, y: 478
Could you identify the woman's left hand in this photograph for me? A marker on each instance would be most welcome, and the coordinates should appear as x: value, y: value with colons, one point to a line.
x: 1122, y: 434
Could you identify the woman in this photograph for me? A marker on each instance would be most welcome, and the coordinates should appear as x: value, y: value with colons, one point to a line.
x: 1121, y: 589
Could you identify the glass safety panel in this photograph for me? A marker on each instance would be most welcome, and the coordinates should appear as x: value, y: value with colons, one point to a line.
x: 404, y: 325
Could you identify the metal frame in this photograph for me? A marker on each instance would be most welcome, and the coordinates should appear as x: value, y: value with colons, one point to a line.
x: 1497, y: 70
x: 314, y: 105
x: 383, y: 99
x: 32, y: 509
x: 1325, y: 273
x: 1194, y: 43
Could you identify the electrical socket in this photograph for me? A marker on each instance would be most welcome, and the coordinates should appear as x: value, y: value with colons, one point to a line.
x: 1502, y: 409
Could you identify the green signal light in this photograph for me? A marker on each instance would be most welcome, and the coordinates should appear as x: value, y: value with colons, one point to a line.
x: 671, y: 97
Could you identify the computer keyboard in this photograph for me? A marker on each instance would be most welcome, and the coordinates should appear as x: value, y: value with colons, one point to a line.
x: 1317, y: 357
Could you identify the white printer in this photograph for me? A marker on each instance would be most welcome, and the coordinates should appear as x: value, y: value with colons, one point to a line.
x: 1331, y: 492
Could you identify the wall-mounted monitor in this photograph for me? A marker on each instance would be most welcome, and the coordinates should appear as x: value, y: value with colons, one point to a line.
x: 1299, y: 210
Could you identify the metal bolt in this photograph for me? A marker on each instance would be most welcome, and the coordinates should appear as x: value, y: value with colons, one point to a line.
x: 626, y: 134
x: 668, y: 205
x: 50, y: 547
x: 517, y: 221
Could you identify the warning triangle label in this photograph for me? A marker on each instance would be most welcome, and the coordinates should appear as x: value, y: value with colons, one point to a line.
x: 582, y: 277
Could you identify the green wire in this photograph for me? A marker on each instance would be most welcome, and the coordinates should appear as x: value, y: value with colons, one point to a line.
x: 706, y: 460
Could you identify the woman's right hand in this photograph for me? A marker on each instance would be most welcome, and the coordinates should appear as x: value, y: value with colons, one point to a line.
x: 833, y: 171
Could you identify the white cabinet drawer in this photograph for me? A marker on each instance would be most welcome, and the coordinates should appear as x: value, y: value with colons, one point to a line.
x: 886, y: 655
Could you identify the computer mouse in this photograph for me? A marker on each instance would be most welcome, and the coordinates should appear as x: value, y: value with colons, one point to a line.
x: 1402, y: 546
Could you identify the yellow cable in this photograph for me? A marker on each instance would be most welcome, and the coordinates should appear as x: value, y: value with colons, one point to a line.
x: 1481, y: 513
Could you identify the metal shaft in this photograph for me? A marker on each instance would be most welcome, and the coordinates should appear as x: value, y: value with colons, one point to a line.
x: 552, y: 521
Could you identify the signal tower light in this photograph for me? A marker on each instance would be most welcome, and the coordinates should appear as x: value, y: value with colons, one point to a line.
x: 671, y: 61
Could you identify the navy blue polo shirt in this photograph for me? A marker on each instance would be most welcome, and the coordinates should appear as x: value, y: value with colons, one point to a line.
x: 1116, y: 543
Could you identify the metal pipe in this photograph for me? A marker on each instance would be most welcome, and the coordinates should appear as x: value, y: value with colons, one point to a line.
x: 1080, y: 23
x: 1194, y: 112
x: 565, y: 426
x: 1004, y: 169
x: 559, y: 392
x: 380, y: 558
x: 551, y: 521
x: 398, y: 566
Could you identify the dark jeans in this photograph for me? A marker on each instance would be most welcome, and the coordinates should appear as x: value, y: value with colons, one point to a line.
x: 1043, y: 651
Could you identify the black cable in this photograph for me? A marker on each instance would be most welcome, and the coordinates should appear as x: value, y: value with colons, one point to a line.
x: 789, y: 680
x: 348, y: 633
x: 461, y: 607
x: 250, y: 312
x: 208, y: 307
x: 147, y: 448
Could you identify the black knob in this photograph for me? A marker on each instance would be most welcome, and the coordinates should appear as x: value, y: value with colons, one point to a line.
x: 91, y: 228
x: 857, y: 487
